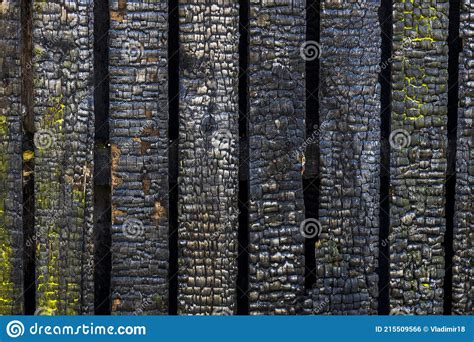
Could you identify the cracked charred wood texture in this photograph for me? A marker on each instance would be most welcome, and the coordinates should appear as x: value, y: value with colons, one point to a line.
x: 139, y: 150
x: 11, y: 228
x: 418, y: 156
x: 349, y: 130
x: 208, y: 156
x: 463, y: 236
x: 64, y: 131
x: 276, y: 134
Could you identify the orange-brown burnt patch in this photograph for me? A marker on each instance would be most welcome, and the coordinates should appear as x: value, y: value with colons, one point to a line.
x: 160, y: 211
x: 122, y: 5
x: 115, y: 157
x: 144, y: 146
x: 151, y: 131
x: 116, y: 212
x: 146, y: 185
x: 120, y: 14
x: 115, y: 304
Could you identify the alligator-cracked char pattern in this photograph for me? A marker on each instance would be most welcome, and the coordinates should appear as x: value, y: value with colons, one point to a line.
x: 11, y: 229
x: 418, y: 156
x: 349, y: 140
x: 208, y: 157
x: 64, y: 128
x: 210, y: 152
x: 463, y: 271
x: 276, y: 132
x: 139, y: 156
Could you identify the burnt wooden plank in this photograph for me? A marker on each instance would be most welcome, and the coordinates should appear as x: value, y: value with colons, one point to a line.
x: 139, y: 156
x: 349, y: 140
x: 11, y: 227
x: 418, y: 156
x: 276, y: 133
x: 463, y: 236
x: 64, y: 130
x: 208, y: 157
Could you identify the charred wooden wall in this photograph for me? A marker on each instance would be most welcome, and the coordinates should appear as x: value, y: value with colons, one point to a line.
x: 239, y: 177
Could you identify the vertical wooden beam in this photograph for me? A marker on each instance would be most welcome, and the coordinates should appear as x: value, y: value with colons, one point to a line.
x: 208, y: 156
x: 418, y: 156
x: 349, y: 139
x: 463, y: 272
x: 64, y: 131
x: 276, y: 133
x: 139, y: 143
x: 11, y: 227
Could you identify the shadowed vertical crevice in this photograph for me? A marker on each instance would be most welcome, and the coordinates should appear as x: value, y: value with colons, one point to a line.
x: 243, y: 232
x: 173, y: 131
x: 102, y: 185
x: 385, y: 19
x: 29, y: 241
x: 311, y: 180
x: 243, y: 256
x: 453, y: 97
x: 311, y: 202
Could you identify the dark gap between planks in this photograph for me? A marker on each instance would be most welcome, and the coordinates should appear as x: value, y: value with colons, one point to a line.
x: 102, y: 179
x: 173, y: 134
x: 383, y: 270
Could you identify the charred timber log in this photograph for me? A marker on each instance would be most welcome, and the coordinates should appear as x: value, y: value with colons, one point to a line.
x: 418, y: 156
x: 463, y: 270
x: 11, y: 228
x: 64, y: 141
x: 208, y: 157
x: 349, y: 139
x: 276, y: 135
x: 139, y: 153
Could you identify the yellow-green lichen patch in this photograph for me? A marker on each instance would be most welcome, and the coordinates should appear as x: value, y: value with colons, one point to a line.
x: 48, y: 196
x: 418, y: 29
x: 6, y: 249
